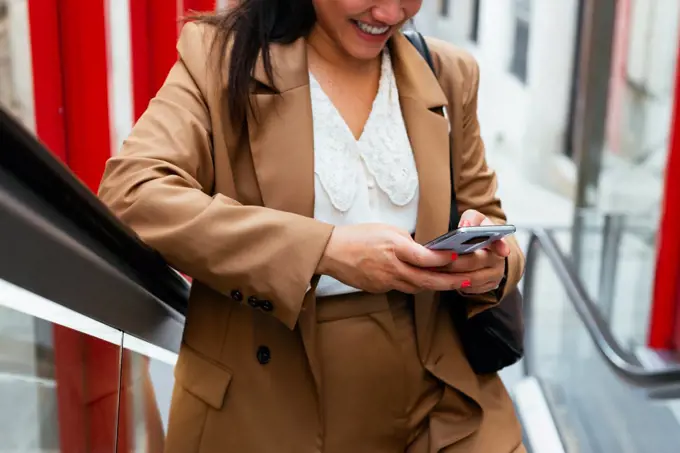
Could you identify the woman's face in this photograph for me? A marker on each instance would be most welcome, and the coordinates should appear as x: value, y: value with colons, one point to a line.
x: 361, y: 28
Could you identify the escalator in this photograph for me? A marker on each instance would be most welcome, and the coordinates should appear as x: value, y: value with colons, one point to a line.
x: 91, y: 320
x: 599, y: 395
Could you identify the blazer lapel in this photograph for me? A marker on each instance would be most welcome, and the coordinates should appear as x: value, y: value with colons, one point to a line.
x: 280, y: 131
x: 281, y: 138
x: 422, y: 104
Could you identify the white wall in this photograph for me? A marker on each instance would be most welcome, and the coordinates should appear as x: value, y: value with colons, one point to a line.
x: 527, y: 122
x: 550, y: 69
x: 652, y: 55
x: 16, y: 53
x: 427, y: 18
x: 121, y: 116
x: 524, y: 122
x: 632, y: 179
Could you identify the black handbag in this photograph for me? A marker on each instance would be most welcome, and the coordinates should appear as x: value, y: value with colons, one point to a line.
x: 494, y: 338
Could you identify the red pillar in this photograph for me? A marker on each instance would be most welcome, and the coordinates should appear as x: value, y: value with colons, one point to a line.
x: 199, y: 5
x: 85, y: 72
x: 676, y: 327
x: 154, y: 28
x: 70, y: 56
x: 47, y: 81
x: 70, y: 78
x: 163, y: 32
x: 85, y: 53
x: 665, y: 322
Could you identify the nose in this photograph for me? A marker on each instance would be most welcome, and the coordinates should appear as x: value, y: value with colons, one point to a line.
x: 389, y: 12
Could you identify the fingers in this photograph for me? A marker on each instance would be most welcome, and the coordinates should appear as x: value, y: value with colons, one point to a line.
x: 472, y: 262
x: 415, y: 254
x: 487, y: 222
x: 501, y: 248
x: 483, y: 289
x: 482, y: 282
x: 422, y: 279
x: 406, y: 287
x: 475, y: 282
x: 471, y: 217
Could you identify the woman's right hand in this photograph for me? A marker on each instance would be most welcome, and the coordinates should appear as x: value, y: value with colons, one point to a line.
x: 379, y: 258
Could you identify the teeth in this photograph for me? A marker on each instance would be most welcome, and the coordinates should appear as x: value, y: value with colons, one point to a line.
x: 371, y: 29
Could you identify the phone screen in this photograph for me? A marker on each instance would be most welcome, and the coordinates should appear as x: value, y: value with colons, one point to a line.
x: 469, y: 239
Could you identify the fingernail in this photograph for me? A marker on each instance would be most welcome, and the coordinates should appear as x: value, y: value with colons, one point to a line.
x: 466, y: 223
x: 466, y: 284
x: 454, y: 256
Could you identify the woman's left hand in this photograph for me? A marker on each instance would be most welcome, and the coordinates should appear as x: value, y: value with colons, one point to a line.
x: 485, y: 267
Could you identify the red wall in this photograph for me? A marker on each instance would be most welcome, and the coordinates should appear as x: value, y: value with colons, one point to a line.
x: 665, y: 317
x: 47, y: 80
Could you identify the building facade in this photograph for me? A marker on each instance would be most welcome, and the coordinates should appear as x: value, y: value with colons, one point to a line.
x: 528, y: 52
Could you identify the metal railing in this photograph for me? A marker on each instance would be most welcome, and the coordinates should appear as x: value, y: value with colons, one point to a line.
x: 663, y: 383
x: 38, y: 175
x: 60, y: 242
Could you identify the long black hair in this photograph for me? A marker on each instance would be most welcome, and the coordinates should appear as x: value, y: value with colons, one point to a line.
x: 249, y: 29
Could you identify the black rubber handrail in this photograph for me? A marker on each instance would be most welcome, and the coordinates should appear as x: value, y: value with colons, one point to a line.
x: 623, y: 363
x: 23, y: 157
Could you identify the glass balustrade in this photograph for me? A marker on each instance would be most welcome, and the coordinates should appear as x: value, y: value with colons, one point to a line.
x: 595, y: 411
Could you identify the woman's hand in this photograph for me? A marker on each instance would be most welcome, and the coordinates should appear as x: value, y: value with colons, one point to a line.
x: 485, y: 268
x: 379, y: 258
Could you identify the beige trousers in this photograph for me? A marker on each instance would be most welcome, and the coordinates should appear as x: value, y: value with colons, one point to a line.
x: 375, y: 392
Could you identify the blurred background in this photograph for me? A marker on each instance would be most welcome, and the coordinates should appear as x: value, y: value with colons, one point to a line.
x: 579, y: 112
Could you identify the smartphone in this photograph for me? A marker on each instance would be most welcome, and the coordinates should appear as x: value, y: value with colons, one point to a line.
x: 468, y: 239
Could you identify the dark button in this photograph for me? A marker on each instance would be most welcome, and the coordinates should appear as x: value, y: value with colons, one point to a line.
x: 254, y: 302
x: 236, y: 295
x: 267, y: 306
x: 264, y: 355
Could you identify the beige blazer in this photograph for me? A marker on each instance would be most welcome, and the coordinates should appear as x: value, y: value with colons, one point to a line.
x: 233, y: 208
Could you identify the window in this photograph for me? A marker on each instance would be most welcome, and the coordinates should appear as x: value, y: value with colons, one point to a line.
x: 444, y: 8
x: 6, y: 84
x: 518, y: 64
x: 474, y: 21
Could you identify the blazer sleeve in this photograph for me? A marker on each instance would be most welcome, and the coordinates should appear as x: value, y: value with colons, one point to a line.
x: 160, y: 185
x: 476, y: 183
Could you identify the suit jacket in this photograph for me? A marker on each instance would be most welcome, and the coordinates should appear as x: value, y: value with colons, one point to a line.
x: 233, y: 208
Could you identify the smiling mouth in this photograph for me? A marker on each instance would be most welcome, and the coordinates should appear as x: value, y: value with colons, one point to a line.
x: 371, y: 29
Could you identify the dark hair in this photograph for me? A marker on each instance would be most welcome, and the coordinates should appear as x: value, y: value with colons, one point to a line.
x: 249, y: 29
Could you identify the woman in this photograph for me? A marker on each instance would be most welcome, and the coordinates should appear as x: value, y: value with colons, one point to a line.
x: 294, y: 149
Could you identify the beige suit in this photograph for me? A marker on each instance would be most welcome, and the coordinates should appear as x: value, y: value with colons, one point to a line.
x: 233, y: 209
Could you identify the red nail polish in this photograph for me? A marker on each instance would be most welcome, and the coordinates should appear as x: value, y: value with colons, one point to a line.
x: 454, y: 256
x: 466, y: 284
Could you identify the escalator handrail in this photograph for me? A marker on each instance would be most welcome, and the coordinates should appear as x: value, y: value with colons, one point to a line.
x: 40, y: 172
x: 26, y: 159
x: 624, y: 364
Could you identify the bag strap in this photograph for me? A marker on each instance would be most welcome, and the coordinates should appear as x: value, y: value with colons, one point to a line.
x: 418, y: 41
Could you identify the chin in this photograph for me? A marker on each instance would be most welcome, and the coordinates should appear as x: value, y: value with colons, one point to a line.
x: 366, y: 53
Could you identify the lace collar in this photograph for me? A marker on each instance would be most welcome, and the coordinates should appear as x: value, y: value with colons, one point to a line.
x: 383, y: 147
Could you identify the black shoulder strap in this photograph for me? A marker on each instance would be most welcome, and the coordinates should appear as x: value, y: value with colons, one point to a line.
x: 421, y: 46
x: 418, y: 41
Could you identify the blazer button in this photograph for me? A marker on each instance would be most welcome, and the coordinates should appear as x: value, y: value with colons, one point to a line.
x: 254, y: 302
x: 267, y: 306
x: 236, y: 295
x: 264, y: 355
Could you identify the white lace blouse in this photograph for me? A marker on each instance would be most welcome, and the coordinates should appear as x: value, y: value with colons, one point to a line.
x: 370, y: 180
